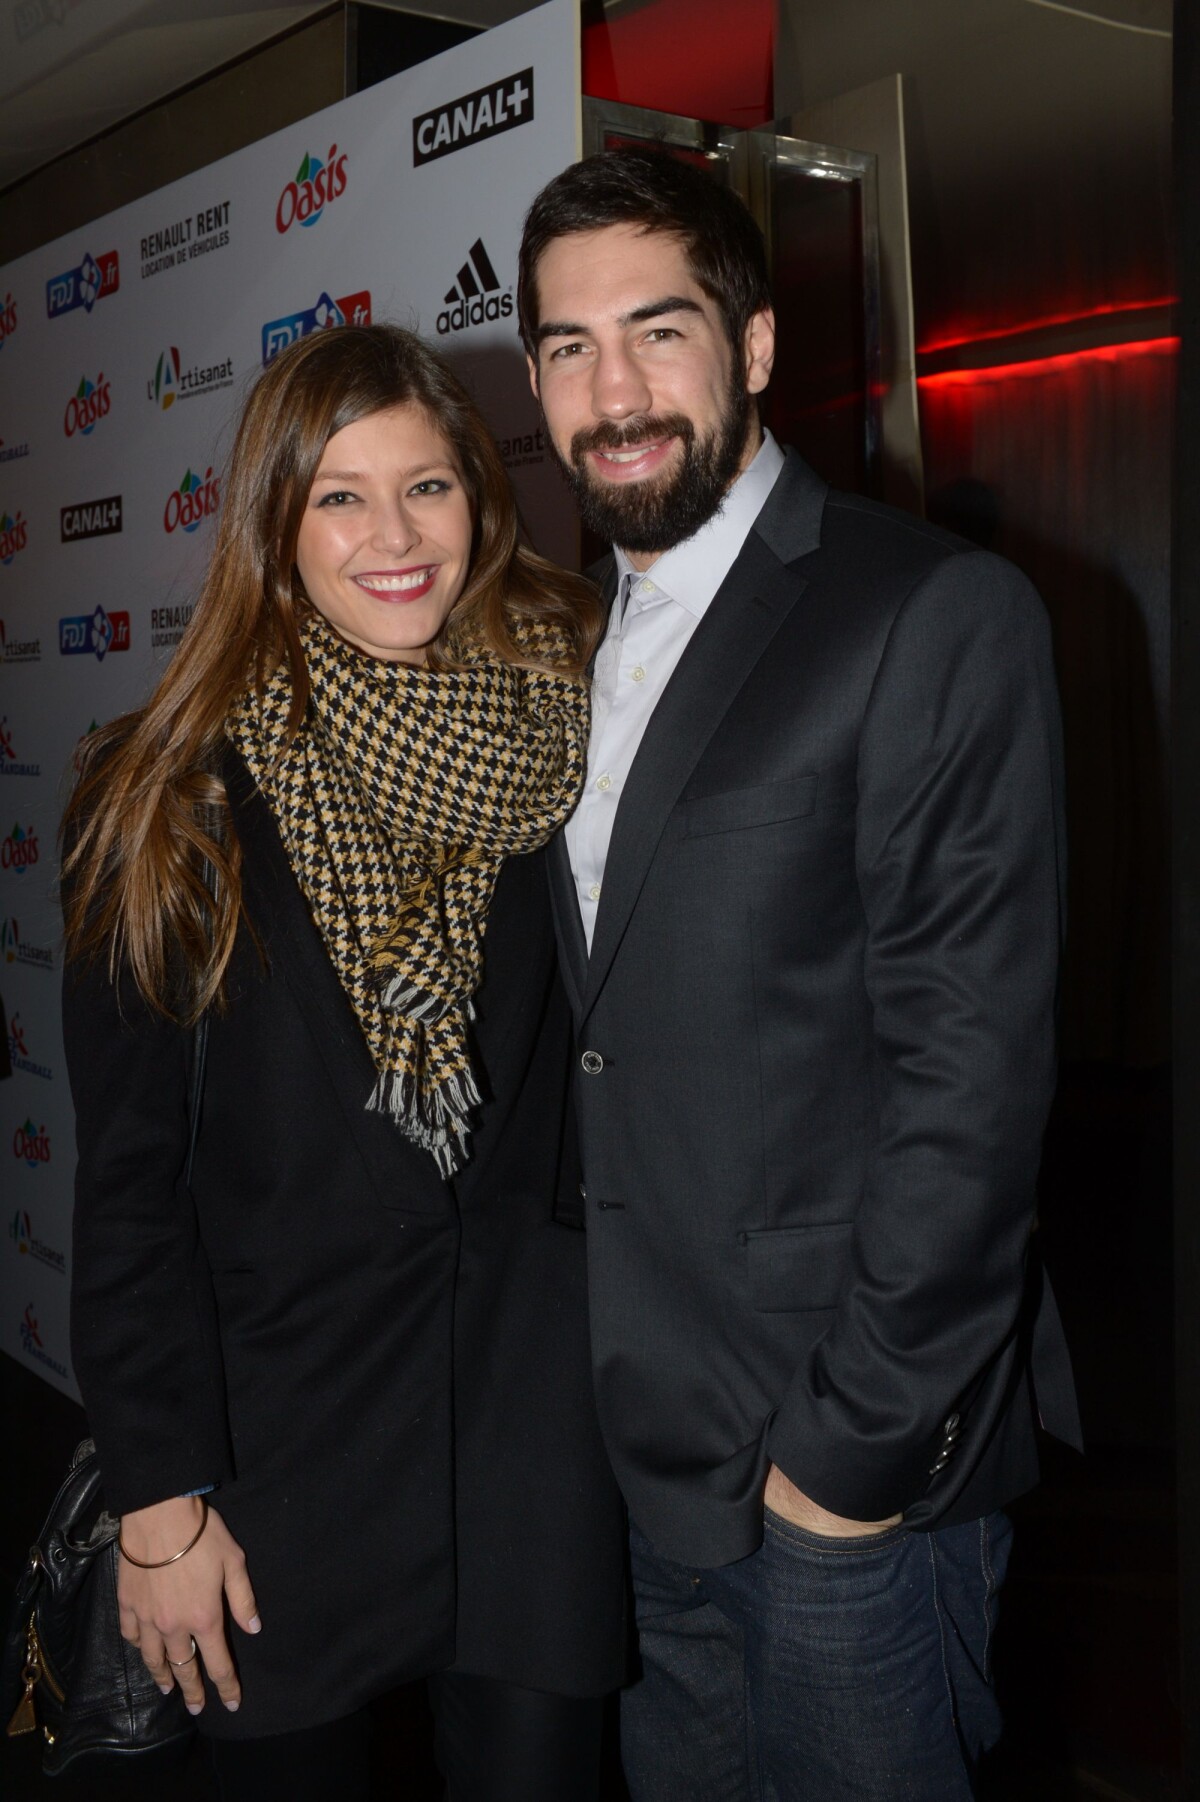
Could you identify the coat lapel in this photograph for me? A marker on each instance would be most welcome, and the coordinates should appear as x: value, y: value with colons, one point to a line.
x: 745, y: 614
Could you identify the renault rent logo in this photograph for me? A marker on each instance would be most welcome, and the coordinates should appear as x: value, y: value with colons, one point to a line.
x: 475, y: 296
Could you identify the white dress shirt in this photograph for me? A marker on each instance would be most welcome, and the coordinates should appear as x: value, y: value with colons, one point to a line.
x: 652, y: 619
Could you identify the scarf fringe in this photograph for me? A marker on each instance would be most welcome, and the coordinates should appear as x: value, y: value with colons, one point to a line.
x: 436, y: 1120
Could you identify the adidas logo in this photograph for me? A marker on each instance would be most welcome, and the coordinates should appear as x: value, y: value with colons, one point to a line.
x: 475, y: 296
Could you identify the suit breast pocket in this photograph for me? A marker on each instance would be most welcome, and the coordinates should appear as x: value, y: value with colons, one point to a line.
x: 738, y: 809
x: 795, y: 1269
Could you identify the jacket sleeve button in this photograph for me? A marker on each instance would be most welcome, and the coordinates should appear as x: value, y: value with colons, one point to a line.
x: 592, y: 1063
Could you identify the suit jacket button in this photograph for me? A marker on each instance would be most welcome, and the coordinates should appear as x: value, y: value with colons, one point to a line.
x: 592, y: 1063
x: 952, y: 1424
x: 583, y: 1190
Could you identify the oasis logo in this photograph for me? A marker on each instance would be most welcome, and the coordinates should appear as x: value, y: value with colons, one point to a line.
x: 31, y: 1344
x: 32, y: 1143
x: 316, y: 183
x: 185, y: 239
x: 18, y: 650
x: 17, y: 950
x: 89, y: 403
x: 500, y: 107
x: 90, y: 519
x: 277, y: 334
x: 95, y: 279
x: 97, y: 633
x: 19, y: 851
x: 21, y: 1232
x: 8, y: 320
x: 14, y: 534
x: 170, y: 382
x: 10, y: 763
x: 194, y: 501
x: 18, y: 1052
x: 476, y: 295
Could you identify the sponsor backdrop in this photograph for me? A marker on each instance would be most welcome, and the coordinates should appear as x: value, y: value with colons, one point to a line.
x: 125, y: 350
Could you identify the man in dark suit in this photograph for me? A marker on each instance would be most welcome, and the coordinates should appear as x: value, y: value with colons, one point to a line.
x: 810, y: 912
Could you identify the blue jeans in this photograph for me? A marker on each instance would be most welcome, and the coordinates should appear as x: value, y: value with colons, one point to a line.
x: 816, y: 1669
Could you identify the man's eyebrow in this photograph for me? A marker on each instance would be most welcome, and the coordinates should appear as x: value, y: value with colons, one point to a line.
x: 653, y: 309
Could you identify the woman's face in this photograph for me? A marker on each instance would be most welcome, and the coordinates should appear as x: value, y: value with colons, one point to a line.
x: 385, y: 539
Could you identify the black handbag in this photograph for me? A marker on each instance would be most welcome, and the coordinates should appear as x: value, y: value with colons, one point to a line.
x: 64, y: 1657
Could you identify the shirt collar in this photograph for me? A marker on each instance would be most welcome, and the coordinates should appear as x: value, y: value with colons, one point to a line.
x: 691, y: 573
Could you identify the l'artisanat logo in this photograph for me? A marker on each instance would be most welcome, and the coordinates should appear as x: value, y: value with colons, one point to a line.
x: 18, y: 1052
x: 195, y: 500
x: 194, y: 235
x: 96, y: 633
x: 171, y: 381
x: 277, y: 334
x: 8, y: 319
x: 18, y: 650
x: 95, y: 279
x: 19, y: 851
x: 29, y: 1245
x: 91, y: 519
x: 10, y: 762
x: 90, y: 403
x: 501, y: 106
x: 14, y: 535
x: 317, y: 185
x: 16, y: 949
x: 475, y: 296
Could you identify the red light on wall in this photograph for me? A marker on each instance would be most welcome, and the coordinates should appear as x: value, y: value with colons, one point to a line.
x: 1004, y: 372
x: 1049, y: 321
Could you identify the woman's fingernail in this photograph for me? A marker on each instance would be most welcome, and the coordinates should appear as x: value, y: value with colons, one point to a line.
x: 254, y: 1625
x: 232, y: 1706
x: 166, y: 1688
x: 194, y: 1707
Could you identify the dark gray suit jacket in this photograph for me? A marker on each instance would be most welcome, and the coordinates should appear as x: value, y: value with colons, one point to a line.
x: 816, y: 1040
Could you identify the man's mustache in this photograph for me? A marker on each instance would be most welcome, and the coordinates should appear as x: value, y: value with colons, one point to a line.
x: 648, y: 428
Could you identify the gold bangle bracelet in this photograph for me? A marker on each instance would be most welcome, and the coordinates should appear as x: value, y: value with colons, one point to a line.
x: 175, y: 1556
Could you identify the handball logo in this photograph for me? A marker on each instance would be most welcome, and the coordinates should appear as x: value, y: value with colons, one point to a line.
x: 89, y: 403
x: 317, y: 183
x: 31, y: 1339
x: 8, y: 319
x: 14, y: 534
x: 19, y: 851
x: 195, y: 499
x: 32, y: 1144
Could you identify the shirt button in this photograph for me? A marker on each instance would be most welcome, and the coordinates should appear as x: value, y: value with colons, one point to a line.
x: 594, y: 892
x: 603, y: 783
x: 645, y: 588
x: 638, y: 674
x: 592, y: 1063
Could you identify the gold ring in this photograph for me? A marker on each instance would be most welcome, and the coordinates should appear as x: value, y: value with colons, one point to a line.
x: 178, y: 1663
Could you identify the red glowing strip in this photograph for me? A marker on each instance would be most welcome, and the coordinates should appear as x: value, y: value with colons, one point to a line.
x: 1003, y: 372
x: 1051, y: 319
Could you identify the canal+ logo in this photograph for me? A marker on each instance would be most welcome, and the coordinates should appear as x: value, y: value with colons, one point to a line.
x: 95, y: 279
x: 19, y: 851
x: 475, y: 296
x: 8, y: 319
x: 89, y: 404
x: 14, y: 535
x: 317, y: 185
x: 195, y: 500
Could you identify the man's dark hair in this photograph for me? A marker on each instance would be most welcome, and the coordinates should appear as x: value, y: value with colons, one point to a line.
x: 645, y: 187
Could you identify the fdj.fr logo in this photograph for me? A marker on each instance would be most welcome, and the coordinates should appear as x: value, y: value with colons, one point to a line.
x: 89, y: 403
x: 316, y: 184
x: 32, y: 1143
x: 14, y: 534
x: 97, y: 633
x: 476, y: 295
x: 8, y: 320
x: 277, y: 334
x: 195, y: 499
x: 19, y: 851
x: 95, y: 279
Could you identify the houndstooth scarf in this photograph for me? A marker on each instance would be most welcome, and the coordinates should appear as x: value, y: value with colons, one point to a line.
x: 397, y: 802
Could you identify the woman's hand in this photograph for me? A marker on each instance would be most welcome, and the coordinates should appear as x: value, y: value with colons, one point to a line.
x: 164, y: 1611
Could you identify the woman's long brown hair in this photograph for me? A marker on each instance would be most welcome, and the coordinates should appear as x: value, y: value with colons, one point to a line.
x: 150, y: 809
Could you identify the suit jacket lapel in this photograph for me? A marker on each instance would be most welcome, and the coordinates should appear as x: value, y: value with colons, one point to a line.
x: 745, y: 614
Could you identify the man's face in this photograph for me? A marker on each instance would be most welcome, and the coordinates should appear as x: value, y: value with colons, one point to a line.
x: 648, y: 410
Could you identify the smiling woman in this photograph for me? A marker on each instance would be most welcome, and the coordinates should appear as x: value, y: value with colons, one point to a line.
x: 363, y: 1331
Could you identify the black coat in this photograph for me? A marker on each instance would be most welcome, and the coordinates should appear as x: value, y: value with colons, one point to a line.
x: 386, y: 1375
x: 816, y: 1040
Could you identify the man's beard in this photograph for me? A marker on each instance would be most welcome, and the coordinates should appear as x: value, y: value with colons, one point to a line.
x: 652, y: 515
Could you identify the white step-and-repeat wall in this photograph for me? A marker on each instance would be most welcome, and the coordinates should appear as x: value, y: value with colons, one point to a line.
x: 125, y: 351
